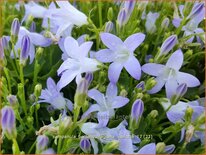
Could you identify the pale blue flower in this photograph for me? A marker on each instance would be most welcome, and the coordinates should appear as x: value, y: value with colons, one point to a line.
x: 150, y: 22
x: 64, y: 18
x: 106, y: 135
x: 169, y: 74
x: 105, y: 103
x: 53, y: 96
x: 121, y: 54
x: 77, y: 63
x: 177, y: 112
x: 36, y: 39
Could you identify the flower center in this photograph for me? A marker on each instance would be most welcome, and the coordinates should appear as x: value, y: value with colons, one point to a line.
x: 122, y: 54
x: 169, y: 73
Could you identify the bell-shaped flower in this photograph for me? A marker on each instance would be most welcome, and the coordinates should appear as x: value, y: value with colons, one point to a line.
x: 169, y: 74
x: 53, y: 96
x: 121, y: 54
x: 77, y: 63
x: 65, y: 17
x: 36, y: 39
x: 150, y: 22
x: 106, y: 135
x: 105, y: 103
x: 177, y: 112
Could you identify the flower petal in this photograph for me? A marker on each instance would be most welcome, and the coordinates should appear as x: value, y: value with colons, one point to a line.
x: 148, y: 149
x: 103, y: 119
x: 152, y: 68
x: 160, y: 83
x: 176, y: 22
x: 169, y: 149
x: 111, y: 41
x: 171, y: 87
x: 51, y: 85
x: 119, y: 101
x: 133, y: 41
x: 85, y: 48
x: 176, y: 60
x: 133, y: 67
x: 189, y: 79
x: 114, y: 72
x: 92, y: 108
x: 39, y: 40
x: 66, y: 78
x: 96, y: 95
x: 71, y: 46
x: 111, y: 90
x: 105, y: 55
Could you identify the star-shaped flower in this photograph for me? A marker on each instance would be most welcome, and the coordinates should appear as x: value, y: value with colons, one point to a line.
x: 105, y: 104
x: 53, y: 96
x: 77, y: 63
x: 121, y: 54
x: 169, y: 74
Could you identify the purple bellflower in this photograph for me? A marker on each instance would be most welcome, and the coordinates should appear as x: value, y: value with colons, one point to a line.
x: 53, y: 96
x: 33, y: 9
x: 77, y: 63
x: 169, y: 74
x: 105, y: 104
x: 48, y: 151
x: 85, y: 145
x: 36, y: 39
x: 15, y: 27
x: 64, y: 18
x: 137, y: 110
x: 177, y: 112
x: 120, y: 134
x: 150, y: 22
x: 121, y: 54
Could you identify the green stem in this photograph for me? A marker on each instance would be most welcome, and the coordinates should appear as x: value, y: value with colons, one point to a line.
x: 31, y: 148
x: 183, y: 147
x: 15, y: 147
x: 100, y: 13
x: 36, y: 117
x: 59, y: 145
x: 180, y: 27
x: 23, y: 93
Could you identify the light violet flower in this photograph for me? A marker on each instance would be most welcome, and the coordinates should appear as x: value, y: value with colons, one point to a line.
x: 105, y: 104
x: 53, y: 96
x: 120, y: 134
x: 36, y: 39
x: 150, y: 22
x: 177, y: 112
x: 64, y: 18
x: 1, y: 49
x: 77, y: 63
x: 121, y: 54
x: 48, y: 151
x: 169, y: 74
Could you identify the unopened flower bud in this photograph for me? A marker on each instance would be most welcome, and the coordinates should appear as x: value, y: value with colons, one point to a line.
x: 25, y: 47
x: 109, y: 27
x: 32, y: 27
x: 121, y: 19
x: 85, y: 145
x: 12, y: 99
x: 189, y: 133
x: 42, y: 142
x: 165, y: 23
x: 168, y: 44
x: 89, y: 78
x: 181, y: 89
x: 141, y: 85
x: 39, y: 52
x: 150, y: 84
x: 129, y: 6
x: 5, y: 43
x: 188, y: 114
x: 8, y: 122
x: 153, y: 114
x: 109, y: 147
x: 37, y: 90
x: 1, y: 50
x: 15, y: 27
x: 160, y: 147
x: 65, y: 124
x: 48, y: 151
x: 81, y: 92
x: 196, y: 10
x: 110, y: 14
x: 137, y: 110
